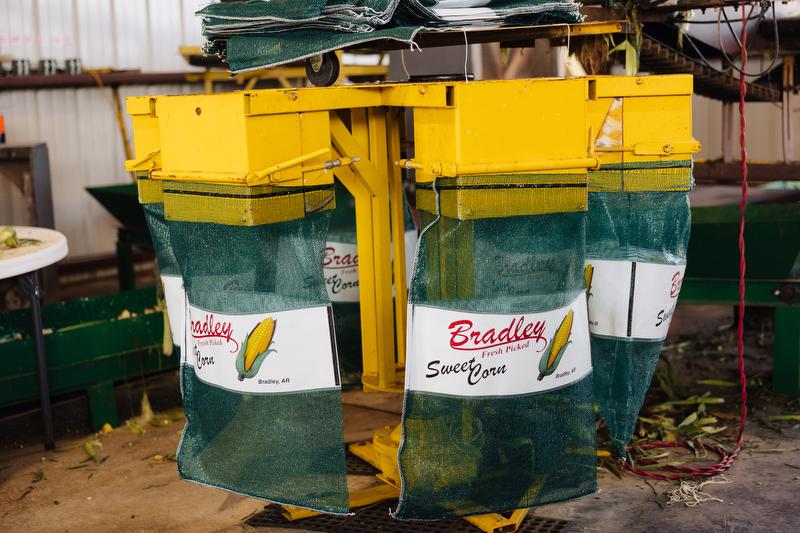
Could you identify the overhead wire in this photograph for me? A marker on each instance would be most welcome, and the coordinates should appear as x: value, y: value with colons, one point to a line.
x: 741, y: 70
x: 739, y: 42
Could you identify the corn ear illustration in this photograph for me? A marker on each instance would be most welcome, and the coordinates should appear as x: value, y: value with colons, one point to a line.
x: 557, y: 346
x: 255, y: 348
x: 588, y: 272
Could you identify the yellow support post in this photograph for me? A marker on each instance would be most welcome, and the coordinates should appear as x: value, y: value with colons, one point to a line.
x: 366, y: 273
x: 387, y: 374
x: 370, y: 189
x: 398, y: 235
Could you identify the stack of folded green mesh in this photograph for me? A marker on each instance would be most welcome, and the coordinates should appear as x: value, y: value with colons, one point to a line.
x: 261, y: 16
x: 263, y: 33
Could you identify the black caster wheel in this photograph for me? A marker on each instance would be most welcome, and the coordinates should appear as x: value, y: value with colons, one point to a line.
x: 323, y: 70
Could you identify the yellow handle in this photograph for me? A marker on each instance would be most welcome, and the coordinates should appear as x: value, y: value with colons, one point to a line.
x: 679, y: 147
x: 134, y: 165
x: 265, y: 176
x: 441, y: 169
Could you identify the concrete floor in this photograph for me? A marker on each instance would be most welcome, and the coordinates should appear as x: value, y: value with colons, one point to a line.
x: 136, y: 488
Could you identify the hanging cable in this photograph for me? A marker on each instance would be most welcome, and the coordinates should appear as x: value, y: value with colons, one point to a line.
x: 726, y: 458
x: 739, y: 42
x: 706, y: 62
x: 466, y: 56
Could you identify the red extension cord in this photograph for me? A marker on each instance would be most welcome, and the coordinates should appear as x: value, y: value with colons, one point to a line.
x: 726, y: 458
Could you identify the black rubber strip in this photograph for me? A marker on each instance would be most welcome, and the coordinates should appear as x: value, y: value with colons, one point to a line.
x: 334, y: 351
x: 507, y: 186
x: 251, y: 196
x: 630, y: 298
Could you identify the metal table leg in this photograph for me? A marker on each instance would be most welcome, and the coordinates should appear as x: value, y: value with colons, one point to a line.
x: 30, y: 284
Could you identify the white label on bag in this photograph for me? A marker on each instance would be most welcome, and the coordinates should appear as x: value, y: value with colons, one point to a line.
x: 632, y: 299
x: 474, y: 354
x: 300, y: 355
x: 340, y: 266
x: 175, y: 297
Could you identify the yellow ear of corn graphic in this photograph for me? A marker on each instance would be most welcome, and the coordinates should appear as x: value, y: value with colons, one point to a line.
x: 255, y: 348
x: 557, y: 346
x: 588, y: 272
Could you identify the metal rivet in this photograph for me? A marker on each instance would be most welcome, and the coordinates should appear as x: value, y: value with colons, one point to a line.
x: 422, y: 90
x: 667, y: 148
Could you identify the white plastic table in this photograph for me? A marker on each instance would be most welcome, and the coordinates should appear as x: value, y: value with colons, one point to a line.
x: 24, y: 263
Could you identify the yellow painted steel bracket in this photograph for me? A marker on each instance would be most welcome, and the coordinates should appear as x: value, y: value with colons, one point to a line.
x: 644, y: 137
x: 526, y: 132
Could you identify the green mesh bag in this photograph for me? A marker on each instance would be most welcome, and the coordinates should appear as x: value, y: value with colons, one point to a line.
x: 635, y: 258
x: 341, y: 279
x: 498, y: 410
x: 152, y: 200
x: 260, y: 375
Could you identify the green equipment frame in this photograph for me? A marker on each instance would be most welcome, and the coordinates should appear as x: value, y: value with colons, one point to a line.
x: 90, y: 344
x: 772, y: 237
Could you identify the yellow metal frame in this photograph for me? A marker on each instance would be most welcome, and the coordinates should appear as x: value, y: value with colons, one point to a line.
x: 656, y: 125
x: 302, y: 137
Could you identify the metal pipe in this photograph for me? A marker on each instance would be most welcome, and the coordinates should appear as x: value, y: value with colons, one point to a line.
x: 440, y: 169
x: 30, y: 285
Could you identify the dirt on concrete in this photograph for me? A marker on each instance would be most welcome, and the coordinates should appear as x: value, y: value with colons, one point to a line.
x: 133, y: 484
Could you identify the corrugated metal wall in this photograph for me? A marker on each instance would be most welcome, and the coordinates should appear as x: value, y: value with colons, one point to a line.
x: 78, y: 125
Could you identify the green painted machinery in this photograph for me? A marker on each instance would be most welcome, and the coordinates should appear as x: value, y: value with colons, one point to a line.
x: 90, y: 344
x: 772, y: 278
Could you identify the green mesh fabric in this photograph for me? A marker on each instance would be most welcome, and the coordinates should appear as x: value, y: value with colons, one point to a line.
x: 268, y: 16
x: 159, y: 233
x: 464, y: 455
x: 250, y: 52
x: 285, y: 448
x: 282, y: 448
x: 166, y: 261
x: 646, y: 226
x: 260, y: 33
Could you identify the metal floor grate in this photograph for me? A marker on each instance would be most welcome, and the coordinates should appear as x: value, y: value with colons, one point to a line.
x: 376, y: 518
x: 358, y: 467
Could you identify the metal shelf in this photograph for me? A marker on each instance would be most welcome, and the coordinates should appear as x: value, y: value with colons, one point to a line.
x: 521, y: 36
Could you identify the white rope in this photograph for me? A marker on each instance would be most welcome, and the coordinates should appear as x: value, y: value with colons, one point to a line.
x: 411, y: 46
x: 691, y: 494
x: 466, y: 56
